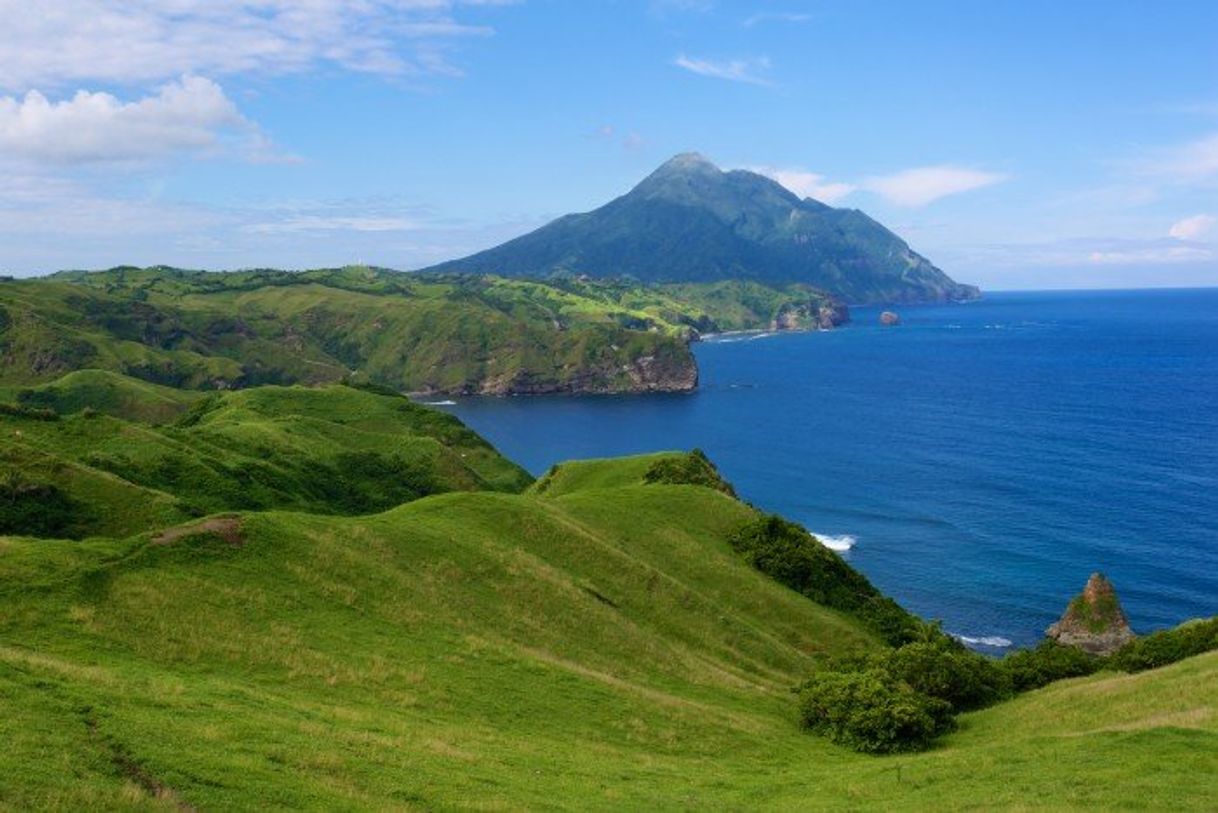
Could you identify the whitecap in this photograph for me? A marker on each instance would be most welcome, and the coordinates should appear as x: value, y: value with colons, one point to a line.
x: 995, y: 641
x: 840, y: 543
x: 440, y: 403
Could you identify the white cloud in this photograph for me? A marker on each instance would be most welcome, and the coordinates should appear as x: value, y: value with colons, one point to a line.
x: 776, y: 17
x: 191, y: 115
x: 1192, y: 228
x: 923, y: 185
x: 807, y: 184
x: 733, y: 70
x: 1195, y: 161
x: 1152, y: 255
x: 50, y: 44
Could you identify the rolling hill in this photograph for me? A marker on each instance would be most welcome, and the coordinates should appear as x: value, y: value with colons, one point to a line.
x: 690, y: 222
x: 592, y: 645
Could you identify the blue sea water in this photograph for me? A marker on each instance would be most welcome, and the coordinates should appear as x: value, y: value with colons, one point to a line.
x: 983, y: 458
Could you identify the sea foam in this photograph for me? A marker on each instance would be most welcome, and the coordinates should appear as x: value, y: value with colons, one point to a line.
x: 841, y: 543
x: 996, y: 641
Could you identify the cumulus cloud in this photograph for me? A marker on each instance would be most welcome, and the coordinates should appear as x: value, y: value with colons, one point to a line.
x: 50, y: 44
x: 190, y: 115
x: 1192, y: 228
x: 923, y: 185
x: 807, y: 184
x: 733, y: 70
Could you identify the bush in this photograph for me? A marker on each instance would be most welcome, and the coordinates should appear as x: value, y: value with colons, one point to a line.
x: 1030, y: 669
x: 789, y: 554
x: 35, y: 509
x: 693, y: 469
x: 26, y: 411
x: 946, y: 670
x: 871, y: 712
x: 1167, y: 646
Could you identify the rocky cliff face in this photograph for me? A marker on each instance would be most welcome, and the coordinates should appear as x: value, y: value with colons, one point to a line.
x: 822, y: 314
x: 1094, y: 621
x: 668, y: 370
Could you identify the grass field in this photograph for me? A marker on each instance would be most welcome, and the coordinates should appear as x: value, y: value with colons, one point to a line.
x: 601, y: 647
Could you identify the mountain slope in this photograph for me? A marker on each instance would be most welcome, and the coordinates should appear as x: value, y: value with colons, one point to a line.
x: 690, y: 222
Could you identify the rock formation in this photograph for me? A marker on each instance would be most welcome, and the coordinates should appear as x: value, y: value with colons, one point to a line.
x: 1093, y: 621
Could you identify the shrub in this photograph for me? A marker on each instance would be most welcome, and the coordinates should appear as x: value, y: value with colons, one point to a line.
x: 789, y: 554
x: 946, y: 670
x: 35, y: 509
x: 25, y: 411
x: 1030, y: 669
x: 871, y: 712
x: 1167, y: 646
x: 693, y: 469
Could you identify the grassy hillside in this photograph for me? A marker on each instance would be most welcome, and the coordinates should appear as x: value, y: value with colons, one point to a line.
x: 335, y: 449
x: 411, y: 332
x: 198, y: 330
x: 596, y: 646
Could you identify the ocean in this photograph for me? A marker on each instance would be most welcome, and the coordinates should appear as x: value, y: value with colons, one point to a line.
x: 977, y: 462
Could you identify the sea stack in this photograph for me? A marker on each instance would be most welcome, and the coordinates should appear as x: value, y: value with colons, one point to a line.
x: 890, y: 319
x: 1094, y: 621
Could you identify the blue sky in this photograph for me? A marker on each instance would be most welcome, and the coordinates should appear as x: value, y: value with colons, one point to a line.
x: 1017, y: 144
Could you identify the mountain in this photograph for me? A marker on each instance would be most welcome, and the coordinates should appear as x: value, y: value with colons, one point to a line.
x: 691, y: 222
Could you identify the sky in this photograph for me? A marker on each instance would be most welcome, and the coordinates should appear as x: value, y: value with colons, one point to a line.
x: 1015, y: 143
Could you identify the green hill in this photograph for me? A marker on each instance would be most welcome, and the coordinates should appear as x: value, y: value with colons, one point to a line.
x: 598, y: 646
x: 332, y: 450
x: 416, y: 333
x: 336, y: 598
x: 201, y: 330
x: 689, y: 222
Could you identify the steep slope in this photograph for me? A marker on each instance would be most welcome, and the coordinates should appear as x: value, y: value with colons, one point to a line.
x: 333, y: 450
x: 690, y: 222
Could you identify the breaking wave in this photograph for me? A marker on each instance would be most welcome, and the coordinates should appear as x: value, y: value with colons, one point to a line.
x: 995, y: 641
x: 841, y: 543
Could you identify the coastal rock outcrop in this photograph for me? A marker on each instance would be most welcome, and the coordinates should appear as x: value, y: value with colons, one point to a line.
x: 823, y: 314
x: 890, y: 319
x: 1094, y: 621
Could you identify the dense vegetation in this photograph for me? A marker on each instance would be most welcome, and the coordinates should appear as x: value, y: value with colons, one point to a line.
x: 411, y: 332
x: 790, y: 555
x: 689, y: 222
x: 905, y: 698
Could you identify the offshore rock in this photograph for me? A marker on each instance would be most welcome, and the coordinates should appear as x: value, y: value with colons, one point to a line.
x: 1094, y: 621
